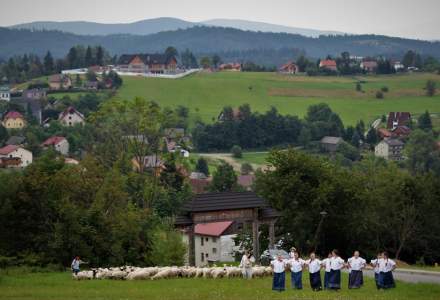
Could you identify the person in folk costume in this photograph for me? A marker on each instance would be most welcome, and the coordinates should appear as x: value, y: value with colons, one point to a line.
x: 336, y: 264
x: 296, y: 266
x: 355, y: 265
x: 246, y: 265
x: 314, y: 266
x: 386, y: 268
x: 279, y: 266
x: 375, y: 264
x: 326, y: 264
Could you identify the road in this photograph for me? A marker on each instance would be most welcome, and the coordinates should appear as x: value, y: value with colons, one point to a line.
x: 412, y: 276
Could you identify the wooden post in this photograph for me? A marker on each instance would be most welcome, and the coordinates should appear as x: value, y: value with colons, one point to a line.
x: 191, y: 246
x: 272, y: 234
x: 255, y: 237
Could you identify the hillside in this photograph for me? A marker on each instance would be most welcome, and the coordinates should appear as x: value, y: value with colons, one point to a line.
x: 206, y: 94
x: 150, y: 26
x: 209, y: 40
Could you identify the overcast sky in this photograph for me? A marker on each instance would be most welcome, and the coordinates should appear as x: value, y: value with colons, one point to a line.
x: 408, y: 18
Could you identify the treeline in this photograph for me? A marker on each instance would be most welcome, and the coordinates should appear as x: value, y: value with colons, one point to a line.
x: 22, y: 68
x: 104, y: 209
x: 371, y: 207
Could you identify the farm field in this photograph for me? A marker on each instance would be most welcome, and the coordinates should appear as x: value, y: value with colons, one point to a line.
x: 207, y: 93
x: 34, y: 286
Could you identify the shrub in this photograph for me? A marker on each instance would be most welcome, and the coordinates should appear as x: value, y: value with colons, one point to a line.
x: 379, y: 95
x: 202, y: 166
x: 358, y: 87
x: 430, y: 88
x: 237, y: 151
x: 385, y: 89
x: 246, y: 168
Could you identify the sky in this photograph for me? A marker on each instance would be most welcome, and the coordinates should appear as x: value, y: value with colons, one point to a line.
x: 405, y: 18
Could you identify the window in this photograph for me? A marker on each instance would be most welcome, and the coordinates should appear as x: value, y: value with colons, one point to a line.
x: 207, y: 239
x: 201, y: 241
x: 214, y: 240
x: 202, y: 257
x: 214, y: 250
x: 206, y: 255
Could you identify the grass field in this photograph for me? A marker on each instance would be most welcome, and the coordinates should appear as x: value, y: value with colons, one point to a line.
x: 206, y: 94
x: 61, y: 286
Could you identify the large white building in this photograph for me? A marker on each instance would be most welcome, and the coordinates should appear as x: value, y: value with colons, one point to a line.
x: 5, y: 93
x: 71, y: 117
x: 59, y: 144
x: 14, y: 151
x: 390, y: 149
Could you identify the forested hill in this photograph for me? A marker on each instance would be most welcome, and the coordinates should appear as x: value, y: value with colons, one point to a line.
x: 204, y: 40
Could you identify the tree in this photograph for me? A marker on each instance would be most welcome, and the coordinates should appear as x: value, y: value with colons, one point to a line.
x: 358, y: 87
x: 224, y: 179
x: 372, y: 137
x: 430, y: 88
x: 422, y: 154
x: 78, y: 80
x: 89, y: 57
x: 72, y: 58
x: 205, y: 62
x: 216, y: 60
x: 236, y: 151
x: 171, y: 52
x: 91, y: 76
x: 202, y: 166
x: 424, y: 122
x: 246, y: 169
x: 355, y: 139
x: 305, y: 136
x: 100, y: 56
x: 3, y: 134
x: 379, y: 95
x: 48, y: 63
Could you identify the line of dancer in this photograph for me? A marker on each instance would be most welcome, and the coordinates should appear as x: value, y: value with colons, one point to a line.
x: 333, y: 264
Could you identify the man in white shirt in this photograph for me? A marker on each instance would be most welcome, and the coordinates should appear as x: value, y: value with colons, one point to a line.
x: 355, y: 265
x: 386, y: 268
x: 296, y: 266
x: 314, y: 265
x: 279, y: 273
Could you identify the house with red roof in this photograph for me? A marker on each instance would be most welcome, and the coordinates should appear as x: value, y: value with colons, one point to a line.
x: 230, y: 67
x: 328, y: 64
x: 58, y: 143
x: 60, y: 82
x: 289, y: 68
x: 71, y: 117
x: 396, y: 119
x: 14, y: 120
x: 214, y: 242
x: 16, y: 152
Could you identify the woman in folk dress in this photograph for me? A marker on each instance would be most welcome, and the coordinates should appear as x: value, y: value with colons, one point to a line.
x: 355, y: 265
x: 386, y: 268
x: 336, y: 265
x: 314, y: 266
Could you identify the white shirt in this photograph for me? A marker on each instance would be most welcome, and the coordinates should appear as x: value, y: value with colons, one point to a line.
x: 376, y: 265
x: 336, y: 263
x: 356, y: 264
x: 246, y: 262
x: 326, y: 263
x: 296, y: 265
x: 278, y: 266
x: 314, y: 265
x: 386, y: 265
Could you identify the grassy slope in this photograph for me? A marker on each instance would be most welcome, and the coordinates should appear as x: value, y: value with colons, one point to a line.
x: 208, y: 93
x: 61, y: 286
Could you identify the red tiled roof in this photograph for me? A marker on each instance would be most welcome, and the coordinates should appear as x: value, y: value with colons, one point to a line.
x: 383, y: 132
x: 13, y: 115
x: 328, y: 63
x: 212, y: 229
x: 8, y: 149
x: 287, y: 66
x: 53, y: 140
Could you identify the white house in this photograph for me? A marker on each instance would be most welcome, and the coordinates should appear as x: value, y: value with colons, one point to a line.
x: 14, y: 151
x: 5, y: 93
x: 70, y: 117
x: 213, y: 243
x: 390, y: 149
x: 398, y: 66
x: 59, y: 144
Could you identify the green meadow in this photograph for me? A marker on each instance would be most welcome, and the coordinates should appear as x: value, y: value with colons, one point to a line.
x: 32, y: 286
x: 207, y: 93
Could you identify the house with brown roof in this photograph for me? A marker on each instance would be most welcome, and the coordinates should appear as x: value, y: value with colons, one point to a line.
x: 71, y: 117
x: 328, y: 64
x: 16, y: 152
x: 14, y: 120
x: 147, y: 63
x: 396, y: 119
x: 369, y: 66
x: 58, y: 143
x: 60, y: 82
x: 230, y: 67
x: 289, y: 68
x: 331, y: 143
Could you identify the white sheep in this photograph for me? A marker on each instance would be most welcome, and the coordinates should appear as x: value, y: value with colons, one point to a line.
x: 84, y: 275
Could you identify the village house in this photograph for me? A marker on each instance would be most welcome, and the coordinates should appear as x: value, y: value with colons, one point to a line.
x: 147, y: 63
x: 60, y: 82
x: 34, y: 94
x: 289, y: 68
x: 396, y: 119
x: 369, y: 66
x: 16, y: 152
x: 235, y: 115
x: 398, y: 66
x: 14, y: 120
x: 58, y: 143
x: 236, y: 67
x: 151, y: 163
x: 71, y: 117
x: 246, y: 181
x: 331, y: 143
x: 390, y: 149
x: 5, y: 93
x: 91, y: 85
x: 328, y: 64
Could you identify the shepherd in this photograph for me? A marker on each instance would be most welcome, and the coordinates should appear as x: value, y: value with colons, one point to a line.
x: 246, y: 265
x: 314, y: 265
x: 336, y: 264
x: 75, y: 265
x: 355, y: 265
x: 386, y: 268
x: 279, y: 273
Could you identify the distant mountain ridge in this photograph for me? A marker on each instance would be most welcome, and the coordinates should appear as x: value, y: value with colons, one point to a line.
x: 156, y: 25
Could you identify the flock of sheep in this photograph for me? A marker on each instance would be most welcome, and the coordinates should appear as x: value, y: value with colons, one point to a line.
x: 154, y: 273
